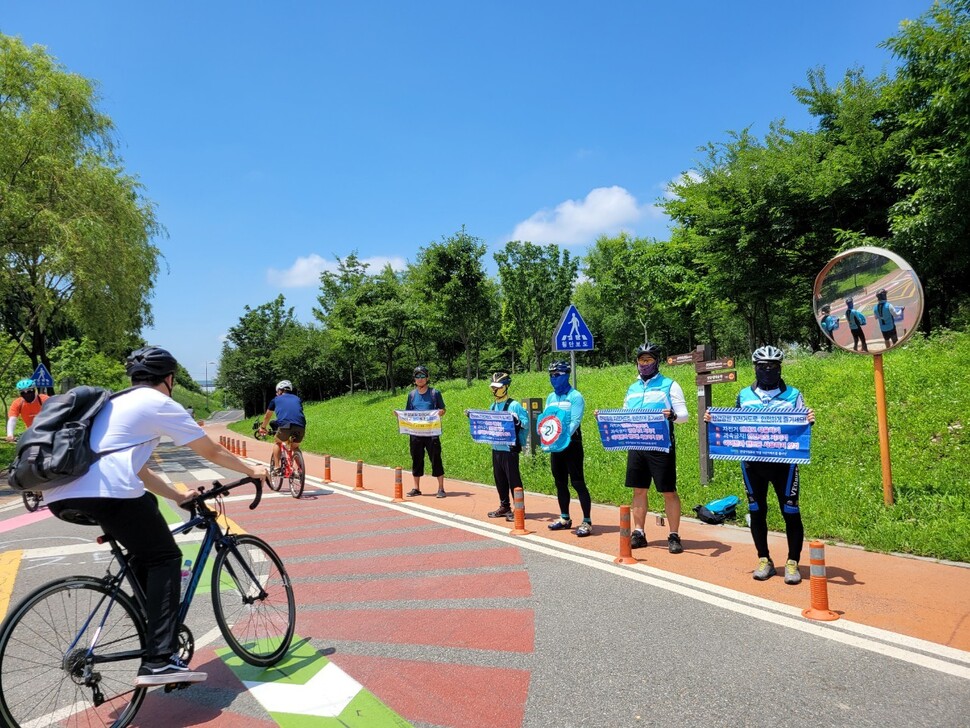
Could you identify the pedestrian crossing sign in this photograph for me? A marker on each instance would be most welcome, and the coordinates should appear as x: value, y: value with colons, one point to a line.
x: 42, y: 378
x: 572, y: 333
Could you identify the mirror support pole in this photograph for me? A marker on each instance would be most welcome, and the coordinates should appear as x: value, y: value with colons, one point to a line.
x: 883, y: 421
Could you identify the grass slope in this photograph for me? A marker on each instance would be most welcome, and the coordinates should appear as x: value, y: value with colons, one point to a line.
x: 841, y: 500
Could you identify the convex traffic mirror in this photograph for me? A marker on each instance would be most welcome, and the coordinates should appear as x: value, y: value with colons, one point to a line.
x: 868, y: 300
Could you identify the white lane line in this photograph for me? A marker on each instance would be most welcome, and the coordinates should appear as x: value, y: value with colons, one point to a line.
x: 901, y: 647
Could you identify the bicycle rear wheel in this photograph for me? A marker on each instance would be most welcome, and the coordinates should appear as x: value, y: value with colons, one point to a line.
x: 253, y: 600
x: 31, y: 500
x: 298, y: 475
x: 45, y: 679
x: 275, y: 473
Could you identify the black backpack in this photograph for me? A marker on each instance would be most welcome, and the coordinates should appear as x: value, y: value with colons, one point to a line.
x: 56, y: 448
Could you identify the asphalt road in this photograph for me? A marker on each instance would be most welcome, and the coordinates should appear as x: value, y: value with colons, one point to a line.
x: 449, y: 622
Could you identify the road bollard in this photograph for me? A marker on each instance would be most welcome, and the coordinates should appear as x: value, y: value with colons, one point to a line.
x: 819, y: 585
x: 244, y: 448
x: 326, y: 469
x: 359, y: 485
x: 518, y: 510
x: 398, y: 487
x: 626, y: 553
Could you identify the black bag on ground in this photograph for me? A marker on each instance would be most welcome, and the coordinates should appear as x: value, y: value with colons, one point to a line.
x: 56, y: 448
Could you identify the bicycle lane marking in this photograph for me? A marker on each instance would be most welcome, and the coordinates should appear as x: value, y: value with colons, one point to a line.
x: 305, y: 689
x: 9, y: 566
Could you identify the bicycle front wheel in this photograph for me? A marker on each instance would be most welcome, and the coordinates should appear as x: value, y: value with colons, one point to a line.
x: 31, y: 500
x: 298, y: 476
x: 253, y: 600
x: 46, y: 678
x: 275, y: 473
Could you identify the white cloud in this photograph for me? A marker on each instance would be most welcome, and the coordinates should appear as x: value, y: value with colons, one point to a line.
x: 305, y: 271
x: 688, y: 177
x: 604, y: 211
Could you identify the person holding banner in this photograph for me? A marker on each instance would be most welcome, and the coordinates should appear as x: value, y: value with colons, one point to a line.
x: 505, y: 458
x: 770, y: 392
x: 653, y: 391
x: 856, y: 320
x: 422, y: 399
x: 886, y: 315
x: 566, y: 451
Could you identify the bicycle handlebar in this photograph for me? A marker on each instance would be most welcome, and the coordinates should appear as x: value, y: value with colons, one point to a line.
x: 219, y: 489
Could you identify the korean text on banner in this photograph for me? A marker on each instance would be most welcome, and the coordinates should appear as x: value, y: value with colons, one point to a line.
x: 492, y: 427
x: 767, y: 436
x: 426, y: 423
x: 622, y: 429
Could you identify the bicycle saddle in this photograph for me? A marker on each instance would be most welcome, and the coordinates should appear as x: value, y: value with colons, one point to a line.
x: 76, y: 517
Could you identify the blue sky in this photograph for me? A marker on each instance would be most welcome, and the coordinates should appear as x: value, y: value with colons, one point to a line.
x: 276, y: 137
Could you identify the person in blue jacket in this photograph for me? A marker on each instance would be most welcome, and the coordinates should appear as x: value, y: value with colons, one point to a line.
x: 653, y: 391
x: 856, y: 320
x: 829, y: 324
x: 886, y: 314
x: 567, y: 464
x: 505, y: 458
x: 769, y: 391
x: 287, y: 408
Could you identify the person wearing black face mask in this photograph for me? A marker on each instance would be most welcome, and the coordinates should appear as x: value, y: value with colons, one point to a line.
x: 26, y: 406
x: 653, y: 391
x: 770, y: 392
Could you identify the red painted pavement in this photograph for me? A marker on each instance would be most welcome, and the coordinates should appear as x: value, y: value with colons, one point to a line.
x: 467, y: 628
x: 464, y: 695
x: 465, y: 586
x: 403, y: 563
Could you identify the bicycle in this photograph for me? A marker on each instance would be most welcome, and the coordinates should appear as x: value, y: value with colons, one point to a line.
x: 69, y: 651
x: 32, y: 500
x: 291, y: 470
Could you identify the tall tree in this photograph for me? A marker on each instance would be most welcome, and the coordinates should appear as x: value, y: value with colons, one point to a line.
x: 930, y: 224
x: 75, y: 231
x: 537, y: 284
x: 451, y: 276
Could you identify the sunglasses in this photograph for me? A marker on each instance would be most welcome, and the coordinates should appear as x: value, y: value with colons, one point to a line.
x: 767, y: 365
x: 420, y: 376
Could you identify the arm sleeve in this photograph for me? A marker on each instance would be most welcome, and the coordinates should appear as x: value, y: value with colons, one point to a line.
x: 679, y: 403
x: 576, y: 415
x: 11, y: 425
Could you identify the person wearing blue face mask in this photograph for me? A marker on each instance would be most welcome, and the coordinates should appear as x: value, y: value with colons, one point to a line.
x: 653, y: 391
x: 567, y: 464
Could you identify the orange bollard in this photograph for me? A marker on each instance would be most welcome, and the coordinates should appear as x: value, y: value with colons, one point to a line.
x: 398, y: 487
x: 235, y: 447
x: 359, y: 485
x: 626, y: 553
x: 326, y: 469
x: 232, y: 445
x: 518, y: 509
x: 244, y: 448
x: 819, y: 584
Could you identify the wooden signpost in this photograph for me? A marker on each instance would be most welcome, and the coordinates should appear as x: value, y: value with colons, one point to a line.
x: 706, y: 367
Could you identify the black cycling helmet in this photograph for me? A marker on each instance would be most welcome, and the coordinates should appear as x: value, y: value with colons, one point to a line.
x: 500, y: 379
x: 648, y: 349
x: 848, y: 303
x: 881, y: 294
x: 826, y: 308
x: 560, y: 367
x: 421, y: 371
x: 150, y: 362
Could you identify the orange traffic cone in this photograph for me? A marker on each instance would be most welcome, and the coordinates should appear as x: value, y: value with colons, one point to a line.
x: 819, y: 584
x: 518, y: 509
x: 326, y: 469
x: 626, y: 553
x: 359, y: 485
x: 398, y: 487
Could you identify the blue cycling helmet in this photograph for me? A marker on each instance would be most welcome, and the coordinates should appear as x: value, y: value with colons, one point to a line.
x: 26, y: 383
x: 560, y: 367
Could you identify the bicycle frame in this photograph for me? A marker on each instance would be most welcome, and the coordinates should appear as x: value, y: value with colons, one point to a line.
x: 214, y: 538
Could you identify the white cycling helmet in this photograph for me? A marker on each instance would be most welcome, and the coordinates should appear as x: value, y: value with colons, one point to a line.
x: 768, y: 353
x: 286, y: 385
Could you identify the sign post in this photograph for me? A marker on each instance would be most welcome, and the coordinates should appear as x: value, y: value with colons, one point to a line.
x: 705, y: 366
x: 533, y: 406
x: 572, y: 335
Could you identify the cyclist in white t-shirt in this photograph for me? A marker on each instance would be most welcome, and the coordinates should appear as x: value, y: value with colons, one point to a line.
x: 119, y: 490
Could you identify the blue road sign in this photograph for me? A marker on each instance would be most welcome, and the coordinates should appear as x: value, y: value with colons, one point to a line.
x: 42, y: 377
x: 572, y: 333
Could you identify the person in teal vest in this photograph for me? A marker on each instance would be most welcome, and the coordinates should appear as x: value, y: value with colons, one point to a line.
x: 829, y: 324
x: 886, y: 314
x: 856, y: 320
x: 567, y: 464
x: 769, y: 391
x: 505, y: 458
x: 653, y: 391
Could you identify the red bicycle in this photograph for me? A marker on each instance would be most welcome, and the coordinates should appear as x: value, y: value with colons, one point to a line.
x: 290, y: 470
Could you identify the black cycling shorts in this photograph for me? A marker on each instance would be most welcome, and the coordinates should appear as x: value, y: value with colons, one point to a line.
x: 644, y: 466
